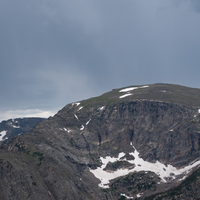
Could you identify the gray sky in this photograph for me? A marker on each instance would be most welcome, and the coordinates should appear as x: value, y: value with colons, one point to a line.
x: 54, y: 52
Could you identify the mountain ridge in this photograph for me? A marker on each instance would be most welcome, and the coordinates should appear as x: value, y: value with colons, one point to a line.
x: 13, y: 127
x: 67, y: 155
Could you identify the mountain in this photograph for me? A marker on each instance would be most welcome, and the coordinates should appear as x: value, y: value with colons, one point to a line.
x: 13, y: 127
x: 138, y: 142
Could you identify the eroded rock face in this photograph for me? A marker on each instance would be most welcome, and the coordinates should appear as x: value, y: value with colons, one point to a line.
x: 56, y: 159
x: 160, y: 131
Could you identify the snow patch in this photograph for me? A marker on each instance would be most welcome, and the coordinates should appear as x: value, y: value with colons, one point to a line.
x: 198, y: 110
x: 80, y: 108
x: 132, y: 88
x: 66, y: 129
x: 88, y: 122
x: 2, y: 134
x: 15, y: 126
x: 125, y: 95
x: 76, y: 116
x: 102, y: 108
x: 77, y: 104
x: 139, y: 195
x: 171, y: 130
x: 82, y: 128
x: 126, y: 196
x: 164, y: 172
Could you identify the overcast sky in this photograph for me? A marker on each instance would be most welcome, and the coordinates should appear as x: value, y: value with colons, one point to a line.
x: 54, y: 52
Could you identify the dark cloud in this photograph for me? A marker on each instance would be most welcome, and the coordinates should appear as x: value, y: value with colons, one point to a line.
x: 56, y: 52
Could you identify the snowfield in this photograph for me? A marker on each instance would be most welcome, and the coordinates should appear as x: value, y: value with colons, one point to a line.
x: 164, y: 172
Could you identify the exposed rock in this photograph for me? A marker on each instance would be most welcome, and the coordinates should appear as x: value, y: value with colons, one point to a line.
x: 55, y: 159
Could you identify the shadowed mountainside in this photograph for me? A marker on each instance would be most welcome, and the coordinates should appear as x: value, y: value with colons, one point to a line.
x: 13, y: 127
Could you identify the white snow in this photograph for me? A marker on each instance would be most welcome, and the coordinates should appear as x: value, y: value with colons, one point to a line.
x: 2, y: 134
x: 140, y: 165
x: 171, y: 130
x: 15, y: 126
x: 126, y: 196
x: 14, y: 121
x: 80, y: 108
x: 198, y: 110
x: 82, y: 127
x: 66, y: 129
x: 77, y: 104
x: 88, y: 122
x: 139, y: 195
x: 102, y: 108
x: 125, y: 95
x: 76, y: 116
x: 128, y: 89
x: 182, y: 178
x: 132, y: 88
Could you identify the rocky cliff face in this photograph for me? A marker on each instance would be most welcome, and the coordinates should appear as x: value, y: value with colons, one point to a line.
x: 120, y: 145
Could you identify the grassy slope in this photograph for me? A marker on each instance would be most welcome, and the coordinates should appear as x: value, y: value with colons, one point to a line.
x: 158, y: 92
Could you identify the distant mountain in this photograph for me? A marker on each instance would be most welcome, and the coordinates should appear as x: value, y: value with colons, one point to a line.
x: 138, y: 142
x: 13, y: 127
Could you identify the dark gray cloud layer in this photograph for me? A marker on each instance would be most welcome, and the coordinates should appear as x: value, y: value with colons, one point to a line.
x: 56, y: 52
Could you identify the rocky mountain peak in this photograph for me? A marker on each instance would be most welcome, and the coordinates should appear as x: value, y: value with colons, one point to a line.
x: 131, y: 143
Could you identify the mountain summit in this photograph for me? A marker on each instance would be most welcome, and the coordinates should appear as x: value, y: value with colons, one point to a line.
x: 138, y: 142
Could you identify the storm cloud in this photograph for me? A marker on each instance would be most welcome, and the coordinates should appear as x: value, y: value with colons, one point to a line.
x: 56, y: 52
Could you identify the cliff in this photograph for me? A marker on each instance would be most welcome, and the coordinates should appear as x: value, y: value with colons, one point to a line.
x: 140, y: 142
